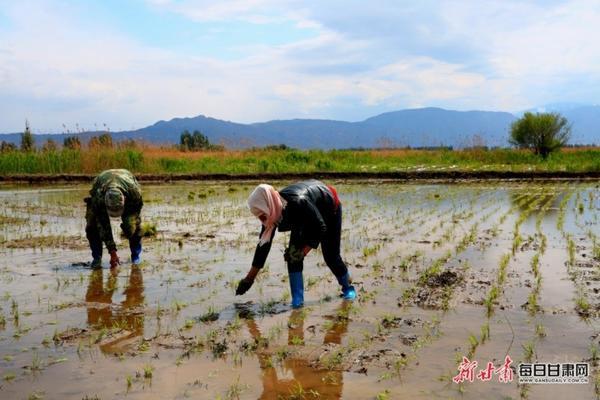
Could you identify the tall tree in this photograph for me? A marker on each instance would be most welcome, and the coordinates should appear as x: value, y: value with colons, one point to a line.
x: 185, y: 140
x: 27, y: 141
x: 542, y: 133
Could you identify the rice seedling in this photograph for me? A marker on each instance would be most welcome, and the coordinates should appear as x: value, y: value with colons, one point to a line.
x: 502, y: 269
x: 473, y: 344
x: 532, y: 305
x: 297, y: 392
x: 490, y: 299
x: 571, y: 250
x: 594, y: 354
x: 36, y: 363
x: 528, y: 351
x: 517, y: 240
x: 282, y: 353
x: 385, y: 395
x: 9, y: 376
x: 235, y: 390
x: 582, y: 306
x: 188, y: 324
x: 369, y: 251
x: 540, y: 331
x: 297, y: 341
x: 148, y: 371
x: 36, y: 396
x: 14, y: 308
x: 485, y: 332
x: 334, y: 359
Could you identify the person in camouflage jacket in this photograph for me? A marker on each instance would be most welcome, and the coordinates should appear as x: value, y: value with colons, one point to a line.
x: 114, y: 193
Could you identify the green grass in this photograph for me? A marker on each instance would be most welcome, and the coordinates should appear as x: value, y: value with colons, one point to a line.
x: 156, y: 160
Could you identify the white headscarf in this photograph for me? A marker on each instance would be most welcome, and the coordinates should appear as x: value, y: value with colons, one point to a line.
x: 265, y: 200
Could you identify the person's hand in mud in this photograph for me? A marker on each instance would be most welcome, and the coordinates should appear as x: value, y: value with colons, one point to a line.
x: 114, y: 259
x: 244, y: 285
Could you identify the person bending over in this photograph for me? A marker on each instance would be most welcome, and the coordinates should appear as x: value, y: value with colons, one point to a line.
x: 312, y: 212
x: 115, y: 193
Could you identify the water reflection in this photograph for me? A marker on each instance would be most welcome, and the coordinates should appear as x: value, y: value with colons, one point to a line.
x: 126, y: 320
x: 305, y: 379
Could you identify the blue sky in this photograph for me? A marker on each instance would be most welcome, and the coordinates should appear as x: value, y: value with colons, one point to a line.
x: 130, y: 63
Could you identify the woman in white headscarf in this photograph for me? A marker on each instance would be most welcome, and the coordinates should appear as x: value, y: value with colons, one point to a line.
x: 312, y: 212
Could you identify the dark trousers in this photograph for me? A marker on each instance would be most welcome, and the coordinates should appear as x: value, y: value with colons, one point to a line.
x: 91, y: 231
x: 330, y: 246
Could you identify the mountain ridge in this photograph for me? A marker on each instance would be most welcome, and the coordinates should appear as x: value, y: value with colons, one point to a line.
x: 417, y: 127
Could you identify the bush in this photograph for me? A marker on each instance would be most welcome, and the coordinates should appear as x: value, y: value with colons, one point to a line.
x: 542, y: 133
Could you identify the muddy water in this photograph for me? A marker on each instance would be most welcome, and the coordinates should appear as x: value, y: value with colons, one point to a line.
x: 425, y: 260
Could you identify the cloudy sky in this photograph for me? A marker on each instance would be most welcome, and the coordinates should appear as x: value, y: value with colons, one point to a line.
x: 129, y: 63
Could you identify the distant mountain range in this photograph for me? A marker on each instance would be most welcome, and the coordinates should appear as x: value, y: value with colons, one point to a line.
x: 423, y: 127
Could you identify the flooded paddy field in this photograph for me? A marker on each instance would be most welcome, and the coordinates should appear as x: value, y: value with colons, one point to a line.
x: 479, y: 270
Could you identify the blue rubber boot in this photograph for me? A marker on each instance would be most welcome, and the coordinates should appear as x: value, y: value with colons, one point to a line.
x: 297, y: 289
x: 348, y: 291
x: 96, y: 247
x: 135, y: 245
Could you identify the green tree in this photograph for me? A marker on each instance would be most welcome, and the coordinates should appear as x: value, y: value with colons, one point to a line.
x: 542, y: 133
x: 194, y: 141
x: 72, y: 142
x: 27, y: 141
x: 185, y: 140
x: 200, y: 142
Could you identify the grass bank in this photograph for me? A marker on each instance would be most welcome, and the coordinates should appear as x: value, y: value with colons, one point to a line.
x: 167, y: 161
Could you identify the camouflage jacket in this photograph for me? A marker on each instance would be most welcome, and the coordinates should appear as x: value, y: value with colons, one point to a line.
x: 126, y: 182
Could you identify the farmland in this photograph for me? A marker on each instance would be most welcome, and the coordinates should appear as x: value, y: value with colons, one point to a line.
x: 443, y: 271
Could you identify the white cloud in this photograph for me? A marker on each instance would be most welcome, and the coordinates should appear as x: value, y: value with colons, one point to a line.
x: 257, y: 11
x: 56, y: 67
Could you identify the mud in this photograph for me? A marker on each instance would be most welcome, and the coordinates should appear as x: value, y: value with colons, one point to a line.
x: 433, y: 175
x: 480, y: 270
